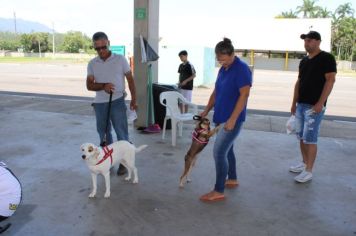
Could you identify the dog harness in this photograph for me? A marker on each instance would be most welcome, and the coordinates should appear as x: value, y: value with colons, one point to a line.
x: 196, y: 133
x: 108, y: 153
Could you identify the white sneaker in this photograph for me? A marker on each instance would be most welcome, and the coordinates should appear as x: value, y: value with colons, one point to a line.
x: 303, y: 177
x: 297, y: 168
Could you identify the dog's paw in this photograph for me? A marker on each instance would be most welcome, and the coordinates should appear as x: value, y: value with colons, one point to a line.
x: 189, y: 180
x: 107, y: 195
x: 135, y: 181
x: 92, y: 195
x: 127, y: 178
x: 181, y: 185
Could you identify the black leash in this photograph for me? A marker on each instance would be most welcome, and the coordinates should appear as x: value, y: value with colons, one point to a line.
x: 103, y: 143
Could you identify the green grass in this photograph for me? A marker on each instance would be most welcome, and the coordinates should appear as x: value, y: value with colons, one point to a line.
x: 41, y: 60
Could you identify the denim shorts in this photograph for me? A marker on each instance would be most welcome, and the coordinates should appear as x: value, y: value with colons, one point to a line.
x: 307, y: 123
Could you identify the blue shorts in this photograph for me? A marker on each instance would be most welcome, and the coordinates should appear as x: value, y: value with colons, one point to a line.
x: 307, y: 123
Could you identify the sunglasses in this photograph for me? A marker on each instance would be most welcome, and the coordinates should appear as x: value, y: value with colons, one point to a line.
x: 101, y: 48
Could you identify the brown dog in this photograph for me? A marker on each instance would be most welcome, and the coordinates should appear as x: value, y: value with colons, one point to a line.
x: 200, y: 139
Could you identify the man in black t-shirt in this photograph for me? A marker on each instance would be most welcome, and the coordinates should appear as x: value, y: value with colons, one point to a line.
x: 186, y: 75
x: 316, y: 79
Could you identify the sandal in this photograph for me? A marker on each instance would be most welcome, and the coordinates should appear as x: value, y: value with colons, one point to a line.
x: 231, y: 183
x: 213, y: 196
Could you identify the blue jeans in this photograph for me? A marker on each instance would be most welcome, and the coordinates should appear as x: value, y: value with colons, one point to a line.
x: 307, y: 123
x: 224, y: 156
x: 118, y: 120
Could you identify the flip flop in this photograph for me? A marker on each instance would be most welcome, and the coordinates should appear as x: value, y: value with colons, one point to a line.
x: 207, y: 198
x: 231, y: 184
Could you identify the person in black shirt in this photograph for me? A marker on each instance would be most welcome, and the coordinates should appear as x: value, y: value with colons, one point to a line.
x: 316, y: 79
x: 186, y: 75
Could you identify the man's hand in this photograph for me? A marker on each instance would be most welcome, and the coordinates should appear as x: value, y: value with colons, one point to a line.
x: 109, y: 87
x: 133, y: 105
x: 318, y: 107
x: 293, y: 109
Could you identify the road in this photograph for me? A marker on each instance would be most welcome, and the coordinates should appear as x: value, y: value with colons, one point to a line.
x: 272, y: 90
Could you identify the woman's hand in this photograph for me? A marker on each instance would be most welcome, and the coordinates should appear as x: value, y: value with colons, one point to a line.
x: 230, y: 124
x: 204, y: 113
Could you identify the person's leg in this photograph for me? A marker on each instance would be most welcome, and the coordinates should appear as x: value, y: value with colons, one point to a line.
x: 232, y: 163
x: 310, y: 139
x: 101, y: 111
x: 231, y: 181
x: 119, y: 119
x: 231, y: 157
x: 223, y: 143
x: 299, y: 129
x: 187, y: 94
x: 181, y: 106
x: 188, y: 97
x: 303, y: 150
x: 310, y: 136
x: 311, y: 151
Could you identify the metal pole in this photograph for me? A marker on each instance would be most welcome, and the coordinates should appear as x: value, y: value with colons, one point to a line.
x: 39, y: 47
x: 54, y: 47
x: 15, y: 22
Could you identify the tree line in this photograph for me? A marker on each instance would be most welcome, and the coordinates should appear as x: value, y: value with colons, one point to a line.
x: 70, y: 42
x: 343, y: 25
x: 343, y: 38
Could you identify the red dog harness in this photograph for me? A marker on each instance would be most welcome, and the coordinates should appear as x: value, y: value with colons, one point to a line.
x: 108, y: 153
x: 196, y: 133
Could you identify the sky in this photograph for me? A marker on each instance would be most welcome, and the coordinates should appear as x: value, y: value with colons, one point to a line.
x: 115, y: 17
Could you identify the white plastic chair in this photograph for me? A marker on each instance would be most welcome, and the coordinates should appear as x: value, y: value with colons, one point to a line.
x: 174, y: 113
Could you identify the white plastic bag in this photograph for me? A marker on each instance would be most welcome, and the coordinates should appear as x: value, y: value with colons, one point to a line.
x: 131, y: 115
x: 290, y: 126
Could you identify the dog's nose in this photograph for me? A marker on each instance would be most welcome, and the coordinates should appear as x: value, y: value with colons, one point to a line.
x: 83, y: 156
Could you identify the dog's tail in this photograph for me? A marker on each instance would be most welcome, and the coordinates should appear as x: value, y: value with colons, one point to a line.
x: 140, y: 148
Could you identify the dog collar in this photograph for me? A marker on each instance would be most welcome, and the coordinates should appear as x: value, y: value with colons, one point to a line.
x: 107, y: 154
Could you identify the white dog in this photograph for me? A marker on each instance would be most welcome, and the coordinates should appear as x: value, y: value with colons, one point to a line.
x: 100, y: 160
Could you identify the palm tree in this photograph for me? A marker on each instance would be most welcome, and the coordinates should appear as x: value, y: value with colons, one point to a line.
x: 323, y: 13
x: 344, y: 10
x: 308, y: 8
x: 288, y: 14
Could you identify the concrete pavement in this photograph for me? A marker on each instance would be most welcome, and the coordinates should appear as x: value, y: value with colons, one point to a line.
x: 40, y: 139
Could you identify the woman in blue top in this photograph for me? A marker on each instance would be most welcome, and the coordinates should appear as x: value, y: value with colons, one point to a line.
x: 229, y: 99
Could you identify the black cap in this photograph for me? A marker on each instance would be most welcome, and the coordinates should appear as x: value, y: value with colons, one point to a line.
x: 183, y: 53
x: 311, y: 35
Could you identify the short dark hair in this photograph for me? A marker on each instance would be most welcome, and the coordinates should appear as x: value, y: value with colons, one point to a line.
x: 183, y: 53
x: 224, y: 47
x: 99, y: 35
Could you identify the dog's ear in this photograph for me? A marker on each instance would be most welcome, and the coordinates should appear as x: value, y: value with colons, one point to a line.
x: 90, y: 148
x: 96, y: 153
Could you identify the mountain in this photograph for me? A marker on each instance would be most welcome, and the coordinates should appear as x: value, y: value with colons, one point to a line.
x: 22, y: 26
